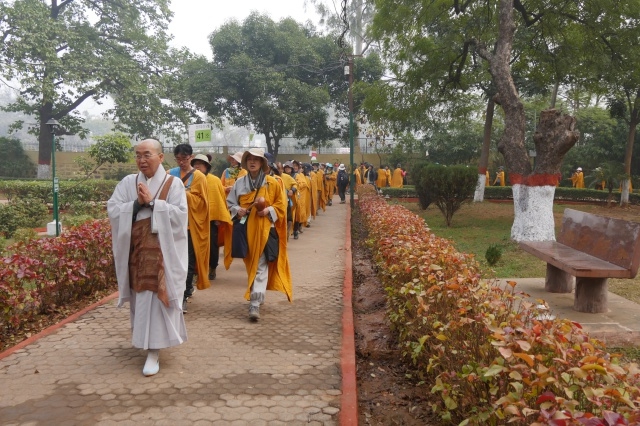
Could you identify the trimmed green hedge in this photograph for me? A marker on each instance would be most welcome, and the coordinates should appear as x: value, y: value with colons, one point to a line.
x: 504, y: 193
x: 93, y: 190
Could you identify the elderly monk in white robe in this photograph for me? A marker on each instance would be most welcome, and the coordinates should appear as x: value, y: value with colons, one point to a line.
x: 148, y: 214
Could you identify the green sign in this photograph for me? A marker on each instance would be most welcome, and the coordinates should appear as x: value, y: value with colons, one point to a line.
x: 203, y: 135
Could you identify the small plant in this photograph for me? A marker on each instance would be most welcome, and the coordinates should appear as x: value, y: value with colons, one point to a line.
x: 24, y: 235
x: 493, y: 254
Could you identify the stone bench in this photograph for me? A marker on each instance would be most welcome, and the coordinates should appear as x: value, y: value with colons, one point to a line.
x: 591, y: 248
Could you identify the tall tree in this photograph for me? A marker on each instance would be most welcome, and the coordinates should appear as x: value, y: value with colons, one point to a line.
x: 274, y: 76
x: 63, y: 52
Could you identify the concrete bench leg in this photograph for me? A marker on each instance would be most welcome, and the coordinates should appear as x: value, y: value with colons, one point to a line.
x: 557, y: 280
x: 591, y: 295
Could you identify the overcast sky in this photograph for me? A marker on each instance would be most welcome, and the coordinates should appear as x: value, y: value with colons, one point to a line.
x: 194, y: 20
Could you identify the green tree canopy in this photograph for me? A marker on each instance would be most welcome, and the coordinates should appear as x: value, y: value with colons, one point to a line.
x: 61, y: 53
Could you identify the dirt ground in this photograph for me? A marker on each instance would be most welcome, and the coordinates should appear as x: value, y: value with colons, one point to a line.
x: 385, y: 395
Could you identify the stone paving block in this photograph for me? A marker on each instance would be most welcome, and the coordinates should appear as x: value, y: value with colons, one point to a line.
x: 284, y: 370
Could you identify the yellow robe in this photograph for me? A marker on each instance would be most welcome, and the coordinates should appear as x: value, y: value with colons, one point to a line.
x: 499, y: 178
x: 330, y: 181
x: 198, y: 209
x: 304, y: 192
x: 382, y: 178
x: 289, y: 184
x: 322, y: 191
x: 218, y: 210
x: 356, y: 173
x: 229, y: 177
x: 487, y: 181
x: 257, y: 234
x: 312, y: 198
x: 396, y: 179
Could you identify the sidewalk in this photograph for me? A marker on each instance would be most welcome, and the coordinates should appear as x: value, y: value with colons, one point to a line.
x: 285, y: 369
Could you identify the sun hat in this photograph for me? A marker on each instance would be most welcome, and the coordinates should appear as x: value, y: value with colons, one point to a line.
x: 237, y: 156
x: 256, y: 152
x: 330, y: 165
x: 341, y: 167
x: 203, y: 158
x: 288, y: 164
x: 579, y: 169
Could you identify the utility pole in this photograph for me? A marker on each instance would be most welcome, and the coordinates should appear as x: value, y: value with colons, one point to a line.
x: 352, y: 178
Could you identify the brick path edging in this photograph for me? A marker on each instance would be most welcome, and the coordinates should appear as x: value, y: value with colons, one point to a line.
x: 349, y: 398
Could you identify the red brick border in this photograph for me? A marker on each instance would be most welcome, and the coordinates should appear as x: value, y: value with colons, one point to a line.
x: 50, y: 330
x: 349, y: 398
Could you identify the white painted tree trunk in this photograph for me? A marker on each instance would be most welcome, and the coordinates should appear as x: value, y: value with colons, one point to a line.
x: 44, y: 171
x: 533, y: 213
x: 624, y: 194
x: 479, y: 194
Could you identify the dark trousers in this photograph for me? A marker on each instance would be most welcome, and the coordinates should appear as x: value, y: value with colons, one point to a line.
x: 213, y: 241
x: 341, y: 191
x: 191, y: 267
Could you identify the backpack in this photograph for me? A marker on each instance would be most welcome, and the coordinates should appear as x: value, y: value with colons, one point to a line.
x: 342, y: 177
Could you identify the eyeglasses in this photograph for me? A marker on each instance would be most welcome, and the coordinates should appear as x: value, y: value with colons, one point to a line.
x: 145, y: 156
x: 182, y: 159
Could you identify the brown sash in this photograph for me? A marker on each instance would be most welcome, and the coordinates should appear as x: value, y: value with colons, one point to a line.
x: 146, y: 264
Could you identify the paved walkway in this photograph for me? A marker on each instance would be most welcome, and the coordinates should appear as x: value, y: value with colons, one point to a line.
x: 285, y: 369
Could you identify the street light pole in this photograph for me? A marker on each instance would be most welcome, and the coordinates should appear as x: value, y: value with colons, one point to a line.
x: 352, y: 177
x: 52, y: 124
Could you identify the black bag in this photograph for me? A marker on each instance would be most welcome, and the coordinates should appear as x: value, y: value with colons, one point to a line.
x: 272, y: 249
x: 239, y: 245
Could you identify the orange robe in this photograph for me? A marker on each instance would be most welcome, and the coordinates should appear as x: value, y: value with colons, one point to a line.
x: 218, y: 210
x: 304, y: 190
x: 330, y: 181
x: 312, y: 200
x: 396, y: 178
x: 257, y: 234
x: 321, y: 191
x: 231, y: 175
x: 198, y: 209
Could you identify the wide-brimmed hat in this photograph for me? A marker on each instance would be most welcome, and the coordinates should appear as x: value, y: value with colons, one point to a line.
x: 237, y: 156
x: 579, y: 169
x: 256, y: 152
x: 203, y: 158
x: 341, y: 167
x: 288, y: 164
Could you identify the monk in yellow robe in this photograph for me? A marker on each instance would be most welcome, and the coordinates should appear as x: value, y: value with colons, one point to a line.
x: 356, y: 174
x: 195, y: 185
x: 262, y: 219
x: 291, y: 188
x: 233, y: 172
x: 487, y: 180
x: 220, y: 225
x: 312, y: 199
x: 397, y: 178
x: 381, y: 182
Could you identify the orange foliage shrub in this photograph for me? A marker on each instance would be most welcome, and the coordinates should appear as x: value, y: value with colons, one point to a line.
x: 486, y: 350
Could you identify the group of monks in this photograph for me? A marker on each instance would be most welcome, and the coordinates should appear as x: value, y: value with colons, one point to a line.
x: 381, y: 178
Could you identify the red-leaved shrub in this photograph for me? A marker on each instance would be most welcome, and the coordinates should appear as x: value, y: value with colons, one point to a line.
x: 46, y: 273
x: 485, y: 350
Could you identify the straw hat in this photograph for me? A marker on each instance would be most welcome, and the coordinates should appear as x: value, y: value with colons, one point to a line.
x: 203, y: 158
x: 256, y: 152
x: 237, y: 156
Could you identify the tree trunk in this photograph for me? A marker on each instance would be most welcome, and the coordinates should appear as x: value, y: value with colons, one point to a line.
x: 555, y: 135
x: 45, y: 142
x: 484, y: 155
x: 633, y: 123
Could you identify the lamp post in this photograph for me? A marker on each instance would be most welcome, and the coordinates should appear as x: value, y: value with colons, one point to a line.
x: 52, y: 124
x: 348, y: 70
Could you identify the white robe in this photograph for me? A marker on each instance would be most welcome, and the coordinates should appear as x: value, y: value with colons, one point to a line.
x: 154, y: 326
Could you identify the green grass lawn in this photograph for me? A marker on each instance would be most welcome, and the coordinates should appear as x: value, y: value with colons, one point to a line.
x: 476, y: 226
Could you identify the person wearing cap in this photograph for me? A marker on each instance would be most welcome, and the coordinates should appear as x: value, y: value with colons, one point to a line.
x: 578, y: 178
x: 220, y: 226
x: 397, y: 178
x: 148, y: 216
x: 342, y: 181
x: 330, y: 183
x: 244, y: 201
x: 233, y: 172
x: 195, y: 185
x: 499, y: 180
